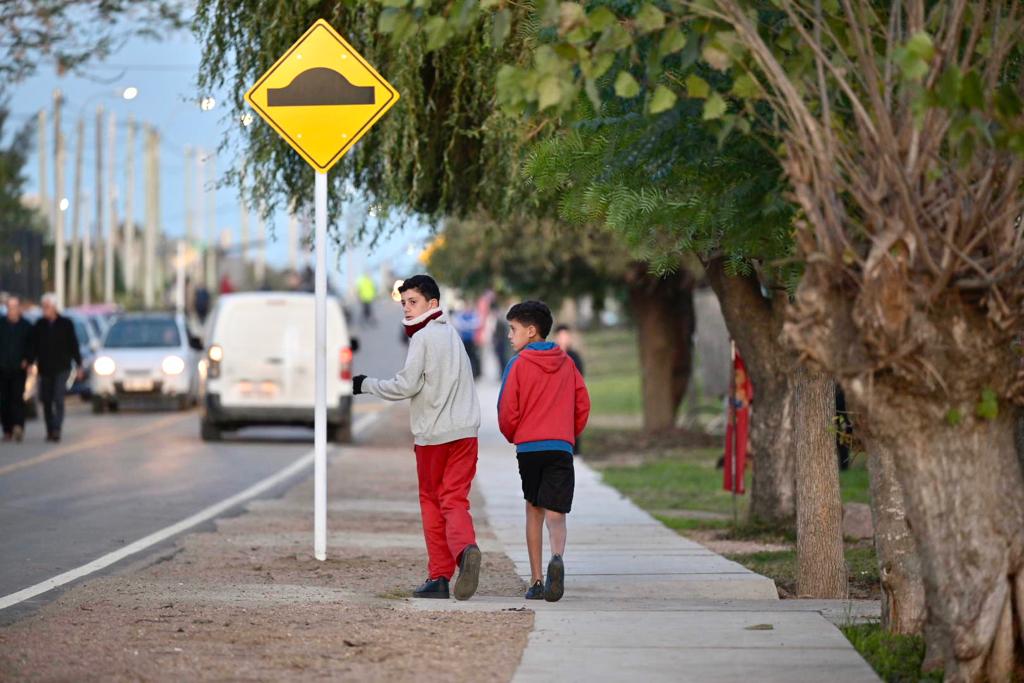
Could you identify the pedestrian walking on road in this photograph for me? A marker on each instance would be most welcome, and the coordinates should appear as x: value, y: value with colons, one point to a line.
x: 543, y: 407
x: 55, y: 347
x: 445, y: 418
x: 15, y: 357
x: 367, y: 292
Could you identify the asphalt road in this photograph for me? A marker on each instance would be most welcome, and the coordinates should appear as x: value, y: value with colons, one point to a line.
x: 116, y: 478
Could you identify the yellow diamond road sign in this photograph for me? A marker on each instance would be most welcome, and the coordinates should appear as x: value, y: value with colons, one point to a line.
x: 321, y: 96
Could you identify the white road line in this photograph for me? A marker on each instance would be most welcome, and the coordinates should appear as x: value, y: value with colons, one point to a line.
x: 167, y: 532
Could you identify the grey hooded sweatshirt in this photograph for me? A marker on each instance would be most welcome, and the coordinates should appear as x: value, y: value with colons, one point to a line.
x: 438, y: 380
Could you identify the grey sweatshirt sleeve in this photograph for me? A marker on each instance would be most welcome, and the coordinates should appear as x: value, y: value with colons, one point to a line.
x: 409, y: 380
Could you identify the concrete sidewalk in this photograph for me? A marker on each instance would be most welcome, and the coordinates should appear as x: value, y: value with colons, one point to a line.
x: 643, y: 602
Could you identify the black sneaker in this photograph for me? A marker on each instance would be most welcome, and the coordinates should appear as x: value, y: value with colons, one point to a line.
x: 554, y: 586
x: 469, y: 572
x: 433, y: 588
x: 536, y: 591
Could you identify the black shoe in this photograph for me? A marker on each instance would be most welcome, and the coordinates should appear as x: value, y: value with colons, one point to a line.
x: 433, y: 588
x: 536, y: 591
x: 49, y: 437
x: 469, y: 572
x: 56, y: 437
x: 555, y: 584
x: 7, y: 437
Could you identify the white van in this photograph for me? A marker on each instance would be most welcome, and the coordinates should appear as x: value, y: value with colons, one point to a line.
x: 259, y: 364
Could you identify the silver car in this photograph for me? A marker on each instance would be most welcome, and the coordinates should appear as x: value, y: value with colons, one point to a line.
x: 145, y: 358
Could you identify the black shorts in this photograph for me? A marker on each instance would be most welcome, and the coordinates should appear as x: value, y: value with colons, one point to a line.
x: 548, y: 479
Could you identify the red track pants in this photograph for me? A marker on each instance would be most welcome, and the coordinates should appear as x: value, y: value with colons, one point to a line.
x: 445, y: 472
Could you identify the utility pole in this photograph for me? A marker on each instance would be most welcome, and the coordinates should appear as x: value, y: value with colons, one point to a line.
x: 100, y: 198
x: 243, y: 229
x: 149, y: 237
x: 211, y: 227
x: 58, y: 189
x: 44, y: 200
x: 128, y: 257
x: 76, y: 217
x: 190, y: 228
x: 260, y: 265
x: 199, y: 215
x: 108, y: 273
x: 293, y: 229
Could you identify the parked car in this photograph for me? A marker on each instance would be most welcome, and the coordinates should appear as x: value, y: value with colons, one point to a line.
x: 146, y: 357
x: 259, y: 364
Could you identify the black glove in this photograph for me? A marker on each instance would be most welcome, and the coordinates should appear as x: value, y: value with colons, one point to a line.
x: 357, y: 384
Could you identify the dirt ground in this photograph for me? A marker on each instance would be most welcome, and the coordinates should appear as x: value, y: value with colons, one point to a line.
x: 249, y: 602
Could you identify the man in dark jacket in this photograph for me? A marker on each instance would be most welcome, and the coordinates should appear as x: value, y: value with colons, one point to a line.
x: 15, y: 357
x: 55, y: 346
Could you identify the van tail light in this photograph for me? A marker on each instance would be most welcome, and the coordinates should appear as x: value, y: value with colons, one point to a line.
x: 345, y: 363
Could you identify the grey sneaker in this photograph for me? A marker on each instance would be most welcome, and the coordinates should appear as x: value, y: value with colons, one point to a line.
x: 554, y: 585
x: 469, y: 572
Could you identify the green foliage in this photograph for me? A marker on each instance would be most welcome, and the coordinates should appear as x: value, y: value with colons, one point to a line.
x: 70, y: 34
x: 13, y: 214
x: 443, y: 131
x: 527, y: 257
x: 665, y: 185
x: 895, y: 658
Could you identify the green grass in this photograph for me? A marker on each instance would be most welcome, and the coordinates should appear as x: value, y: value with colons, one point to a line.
x: 615, y: 394
x: 896, y: 659
x: 780, y: 565
x: 613, y: 371
x: 853, y: 483
x: 687, y: 482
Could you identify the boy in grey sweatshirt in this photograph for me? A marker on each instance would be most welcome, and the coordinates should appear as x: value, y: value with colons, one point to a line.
x: 445, y: 419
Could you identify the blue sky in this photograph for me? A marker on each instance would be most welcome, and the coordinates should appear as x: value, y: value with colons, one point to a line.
x: 164, y: 73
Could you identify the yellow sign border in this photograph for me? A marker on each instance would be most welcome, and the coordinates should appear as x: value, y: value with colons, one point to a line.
x: 321, y: 23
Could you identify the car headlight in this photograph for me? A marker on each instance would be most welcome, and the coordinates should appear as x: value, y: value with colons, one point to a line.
x: 216, y: 353
x: 104, y: 366
x: 173, y: 365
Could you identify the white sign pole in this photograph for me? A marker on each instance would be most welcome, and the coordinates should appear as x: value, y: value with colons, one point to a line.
x: 320, y: 411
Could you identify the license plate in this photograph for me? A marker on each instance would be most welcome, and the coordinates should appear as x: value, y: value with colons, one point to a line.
x: 138, y: 385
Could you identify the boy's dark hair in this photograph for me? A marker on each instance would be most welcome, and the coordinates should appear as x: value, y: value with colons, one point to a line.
x: 424, y: 284
x: 534, y: 313
x: 563, y: 328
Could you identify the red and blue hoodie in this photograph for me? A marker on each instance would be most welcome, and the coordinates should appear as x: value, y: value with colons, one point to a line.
x: 543, y: 404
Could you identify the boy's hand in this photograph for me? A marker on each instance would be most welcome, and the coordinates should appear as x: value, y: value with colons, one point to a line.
x: 357, y: 384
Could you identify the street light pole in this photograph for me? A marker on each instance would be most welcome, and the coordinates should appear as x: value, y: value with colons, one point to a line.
x: 211, y: 227
x: 100, y: 198
x: 260, y: 265
x: 149, y: 237
x: 128, y: 257
x: 108, y: 273
x: 44, y: 202
x: 76, y: 217
x: 58, y: 206
x: 200, y: 215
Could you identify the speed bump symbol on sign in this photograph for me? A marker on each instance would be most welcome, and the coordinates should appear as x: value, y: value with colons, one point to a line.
x: 321, y: 96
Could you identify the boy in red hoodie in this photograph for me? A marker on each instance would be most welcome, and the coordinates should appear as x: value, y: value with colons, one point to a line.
x: 543, y: 407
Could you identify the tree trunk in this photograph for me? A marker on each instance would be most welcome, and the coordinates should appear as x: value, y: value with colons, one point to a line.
x: 821, y: 565
x: 964, y: 492
x: 756, y: 323
x: 664, y: 315
x: 903, y: 606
